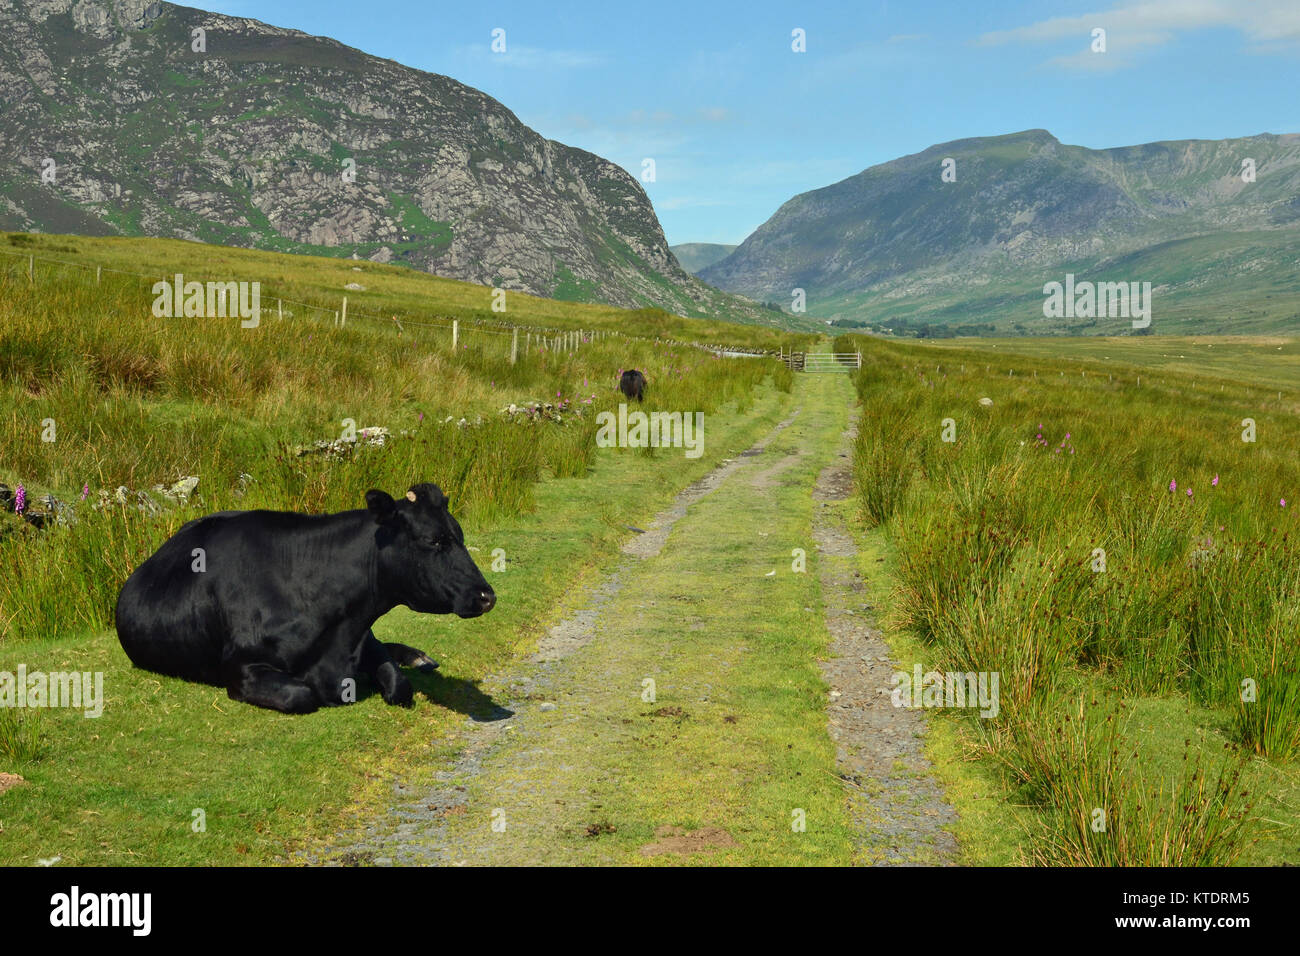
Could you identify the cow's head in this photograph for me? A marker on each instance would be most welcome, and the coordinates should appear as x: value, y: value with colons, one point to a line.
x: 423, y: 562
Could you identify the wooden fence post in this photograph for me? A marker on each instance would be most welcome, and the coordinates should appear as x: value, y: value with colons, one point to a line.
x: 514, y: 347
x: 279, y: 309
x: 31, y: 268
x: 97, y: 270
x: 345, y: 312
x: 455, y: 333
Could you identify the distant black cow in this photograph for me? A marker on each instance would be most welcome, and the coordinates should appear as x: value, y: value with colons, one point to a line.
x: 632, y: 384
x: 277, y: 606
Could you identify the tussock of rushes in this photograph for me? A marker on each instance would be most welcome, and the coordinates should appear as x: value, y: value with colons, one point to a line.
x: 20, y: 737
x: 1267, y: 725
x: 884, y: 464
x: 1100, y: 809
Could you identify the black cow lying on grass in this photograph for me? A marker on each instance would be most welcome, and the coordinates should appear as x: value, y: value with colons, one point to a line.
x: 632, y: 384
x: 277, y: 606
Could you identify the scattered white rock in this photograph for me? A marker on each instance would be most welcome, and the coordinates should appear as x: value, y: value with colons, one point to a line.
x: 179, y: 491
x: 372, y: 435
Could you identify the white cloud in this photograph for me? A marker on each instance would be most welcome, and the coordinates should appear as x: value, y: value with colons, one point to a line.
x: 1272, y: 25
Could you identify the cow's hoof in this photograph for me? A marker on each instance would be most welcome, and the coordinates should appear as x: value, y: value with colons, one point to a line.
x: 401, y: 694
x: 426, y: 666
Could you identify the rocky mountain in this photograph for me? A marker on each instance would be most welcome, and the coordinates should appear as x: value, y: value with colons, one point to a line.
x: 695, y: 256
x: 902, y: 244
x: 136, y: 117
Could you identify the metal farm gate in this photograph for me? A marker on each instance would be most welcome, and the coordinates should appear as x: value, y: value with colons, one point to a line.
x: 822, y: 361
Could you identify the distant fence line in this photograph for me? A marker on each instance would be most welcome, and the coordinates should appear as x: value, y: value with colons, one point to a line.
x: 547, y: 338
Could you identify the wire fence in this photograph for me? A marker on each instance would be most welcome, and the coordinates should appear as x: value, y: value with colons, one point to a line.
x: 528, y: 336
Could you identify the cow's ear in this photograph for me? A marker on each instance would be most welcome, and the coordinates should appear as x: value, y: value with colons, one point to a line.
x: 382, y: 506
x: 428, y: 494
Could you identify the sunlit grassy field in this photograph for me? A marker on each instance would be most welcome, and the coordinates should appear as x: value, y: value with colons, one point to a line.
x: 96, y: 393
x: 136, y: 401
x: 1100, y: 535
x: 1210, y: 362
x: 1125, y: 556
x: 320, y: 282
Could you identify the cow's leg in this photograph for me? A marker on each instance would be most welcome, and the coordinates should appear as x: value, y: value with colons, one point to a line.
x: 264, y: 686
x: 404, y: 655
x: 379, y: 667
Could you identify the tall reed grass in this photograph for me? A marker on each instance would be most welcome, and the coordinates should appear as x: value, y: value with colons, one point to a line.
x: 1056, y: 542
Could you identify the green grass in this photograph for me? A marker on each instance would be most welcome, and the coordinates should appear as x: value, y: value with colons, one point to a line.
x: 735, y: 737
x: 121, y: 789
x: 139, y: 400
x: 320, y: 280
x: 1205, y: 364
x: 1121, y: 689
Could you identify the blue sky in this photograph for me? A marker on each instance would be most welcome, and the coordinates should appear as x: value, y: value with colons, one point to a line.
x: 737, y: 122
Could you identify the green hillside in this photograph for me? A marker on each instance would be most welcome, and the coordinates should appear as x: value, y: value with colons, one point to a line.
x: 900, y: 247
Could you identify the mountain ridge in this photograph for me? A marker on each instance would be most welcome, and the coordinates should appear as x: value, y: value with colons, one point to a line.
x: 695, y: 256
x: 895, y: 242
x: 264, y: 121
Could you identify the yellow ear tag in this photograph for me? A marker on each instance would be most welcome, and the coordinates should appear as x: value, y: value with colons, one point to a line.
x: 410, y: 495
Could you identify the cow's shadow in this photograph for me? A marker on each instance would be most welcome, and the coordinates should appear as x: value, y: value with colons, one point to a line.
x: 453, y: 693
x: 458, y: 694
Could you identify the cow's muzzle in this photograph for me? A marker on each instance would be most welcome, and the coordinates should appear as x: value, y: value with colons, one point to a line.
x: 480, y: 603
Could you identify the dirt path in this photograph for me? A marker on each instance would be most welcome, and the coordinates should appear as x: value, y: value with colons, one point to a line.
x: 894, y: 798
x: 679, y: 713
